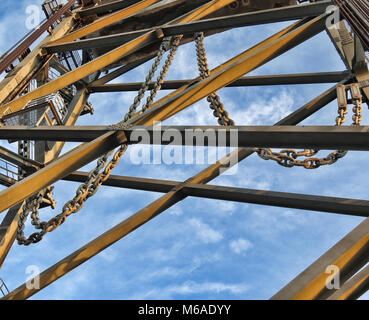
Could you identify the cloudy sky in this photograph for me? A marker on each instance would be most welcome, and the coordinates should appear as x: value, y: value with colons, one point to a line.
x: 200, y: 249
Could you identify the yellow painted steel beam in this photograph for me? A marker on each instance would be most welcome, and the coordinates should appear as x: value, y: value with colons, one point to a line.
x: 117, y: 73
x: 18, y: 192
x: 105, y: 60
x: 8, y: 230
x: 106, y: 21
x: 74, y: 111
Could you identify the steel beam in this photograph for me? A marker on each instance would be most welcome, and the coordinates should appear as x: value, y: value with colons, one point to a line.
x: 306, y: 137
x: 8, y: 228
x: 119, y: 71
x: 234, y: 21
x: 272, y: 80
x: 270, y: 198
x: 59, y: 168
x: 350, y: 253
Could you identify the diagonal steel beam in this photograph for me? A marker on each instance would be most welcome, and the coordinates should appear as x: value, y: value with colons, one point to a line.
x: 6, y: 61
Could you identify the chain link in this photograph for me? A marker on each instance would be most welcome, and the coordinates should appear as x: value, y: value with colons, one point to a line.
x: 96, y: 178
x: 215, y: 104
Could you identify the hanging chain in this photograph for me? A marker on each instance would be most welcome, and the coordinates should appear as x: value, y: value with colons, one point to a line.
x: 289, y: 158
x: 95, y: 177
x: 215, y: 104
x: 145, y: 86
x: 163, y: 73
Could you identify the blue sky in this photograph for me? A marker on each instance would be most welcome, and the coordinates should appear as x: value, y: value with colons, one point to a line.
x: 200, y: 249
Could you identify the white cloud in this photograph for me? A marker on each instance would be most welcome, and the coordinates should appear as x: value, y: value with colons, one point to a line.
x: 240, y: 245
x: 204, y: 232
x: 192, y: 287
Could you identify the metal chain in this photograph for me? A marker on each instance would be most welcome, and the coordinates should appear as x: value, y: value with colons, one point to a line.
x: 288, y: 158
x: 95, y: 178
x: 213, y: 98
x: 86, y: 190
x: 163, y: 73
x: 141, y: 93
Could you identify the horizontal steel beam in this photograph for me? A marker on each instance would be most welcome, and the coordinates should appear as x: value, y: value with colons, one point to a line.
x: 272, y: 80
x: 271, y: 198
x: 234, y: 21
x: 314, y: 137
